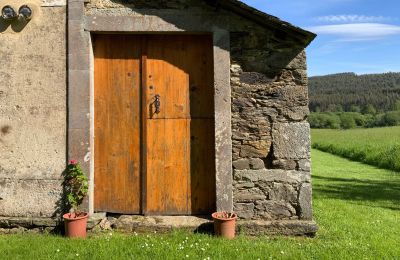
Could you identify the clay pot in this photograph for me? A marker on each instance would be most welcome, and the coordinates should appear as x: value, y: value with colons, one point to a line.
x: 75, y: 227
x: 224, y: 227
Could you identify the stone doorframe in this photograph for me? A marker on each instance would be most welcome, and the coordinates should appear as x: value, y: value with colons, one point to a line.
x: 81, y: 84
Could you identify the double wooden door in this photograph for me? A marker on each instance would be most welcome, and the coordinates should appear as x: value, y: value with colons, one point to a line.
x: 154, y: 124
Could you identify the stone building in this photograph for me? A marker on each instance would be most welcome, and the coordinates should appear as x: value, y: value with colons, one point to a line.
x: 172, y: 107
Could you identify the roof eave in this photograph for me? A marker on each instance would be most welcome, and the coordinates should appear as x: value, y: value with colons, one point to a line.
x: 303, y: 36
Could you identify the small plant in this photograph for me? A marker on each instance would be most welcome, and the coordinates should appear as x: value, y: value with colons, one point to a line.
x: 76, y: 186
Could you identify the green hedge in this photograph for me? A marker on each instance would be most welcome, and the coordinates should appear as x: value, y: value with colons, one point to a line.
x: 349, y: 120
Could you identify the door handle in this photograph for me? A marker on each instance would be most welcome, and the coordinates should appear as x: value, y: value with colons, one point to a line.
x: 157, y: 103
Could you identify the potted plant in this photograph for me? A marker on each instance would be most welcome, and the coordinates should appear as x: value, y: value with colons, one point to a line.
x: 224, y: 224
x: 76, y: 187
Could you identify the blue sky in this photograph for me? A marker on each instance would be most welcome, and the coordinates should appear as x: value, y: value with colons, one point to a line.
x: 361, y: 36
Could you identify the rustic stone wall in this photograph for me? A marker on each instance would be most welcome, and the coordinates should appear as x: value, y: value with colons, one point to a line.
x: 32, y: 111
x: 271, y: 141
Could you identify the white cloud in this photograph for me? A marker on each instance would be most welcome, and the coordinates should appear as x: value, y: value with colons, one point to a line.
x: 354, y: 18
x: 357, y: 31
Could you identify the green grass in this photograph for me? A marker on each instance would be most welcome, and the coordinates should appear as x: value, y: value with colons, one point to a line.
x: 356, y: 206
x: 374, y: 146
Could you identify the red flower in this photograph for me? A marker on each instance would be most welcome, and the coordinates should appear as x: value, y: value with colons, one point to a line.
x: 73, y: 162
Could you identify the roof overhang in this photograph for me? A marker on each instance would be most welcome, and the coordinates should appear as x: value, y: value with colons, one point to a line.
x: 300, y: 35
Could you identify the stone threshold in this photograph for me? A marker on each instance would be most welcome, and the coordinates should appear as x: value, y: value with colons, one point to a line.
x: 162, y: 224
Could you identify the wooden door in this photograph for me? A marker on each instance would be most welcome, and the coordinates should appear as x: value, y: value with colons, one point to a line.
x: 176, y: 148
x: 117, y: 109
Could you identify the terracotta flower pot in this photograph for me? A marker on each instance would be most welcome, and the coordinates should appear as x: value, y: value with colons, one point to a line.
x: 75, y: 227
x: 224, y: 227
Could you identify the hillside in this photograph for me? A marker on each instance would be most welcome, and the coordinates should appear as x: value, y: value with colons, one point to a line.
x: 351, y: 92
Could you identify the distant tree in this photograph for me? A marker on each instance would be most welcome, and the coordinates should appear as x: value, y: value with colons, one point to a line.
x: 324, y: 120
x: 396, y: 106
x: 332, y: 121
x: 347, y: 121
x: 392, y: 118
x: 335, y: 108
x: 354, y: 108
x: 369, y: 109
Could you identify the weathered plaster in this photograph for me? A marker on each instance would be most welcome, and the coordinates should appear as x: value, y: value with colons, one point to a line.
x: 33, y: 114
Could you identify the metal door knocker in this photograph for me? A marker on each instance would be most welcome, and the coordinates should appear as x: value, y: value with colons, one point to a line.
x: 157, y: 103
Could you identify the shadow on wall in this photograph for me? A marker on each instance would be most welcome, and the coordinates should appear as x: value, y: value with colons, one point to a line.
x: 16, y: 25
x: 359, y: 190
x: 61, y: 204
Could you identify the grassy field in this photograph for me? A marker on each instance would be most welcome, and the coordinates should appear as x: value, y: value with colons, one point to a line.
x: 356, y: 206
x: 374, y: 146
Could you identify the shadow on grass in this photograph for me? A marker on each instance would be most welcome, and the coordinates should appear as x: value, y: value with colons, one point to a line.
x: 359, y: 190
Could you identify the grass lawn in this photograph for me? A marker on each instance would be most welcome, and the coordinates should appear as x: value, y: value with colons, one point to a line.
x: 356, y: 206
x: 375, y: 146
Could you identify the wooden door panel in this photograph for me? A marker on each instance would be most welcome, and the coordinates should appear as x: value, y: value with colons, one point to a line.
x: 117, y: 124
x: 199, y: 65
x: 168, y: 166
x: 202, y: 166
x: 166, y: 76
x: 180, y: 146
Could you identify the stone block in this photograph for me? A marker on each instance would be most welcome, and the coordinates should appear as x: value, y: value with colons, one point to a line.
x: 283, y: 192
x: 284, y: 164
x: 272, y: 175
x: 305, y: 201
x: 44, y: 222
x: 17, y: 222
x: 299, y: 113
x: 258, y: 148
x: 256, y: 164
x: 95, y: 219
x: 304, y: 165
x: 299, y: 62
x: 79, y: 99
x: 244, y: 185
x: 291, y: 140
x: 124, y: 223
x: 249, y: 195
x: 270, y: 209
x: 241, y: 164
x: 244, y: 210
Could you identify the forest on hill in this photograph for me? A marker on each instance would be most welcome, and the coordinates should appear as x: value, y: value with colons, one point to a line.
x: 354, y: 93
x: 347, y: 100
